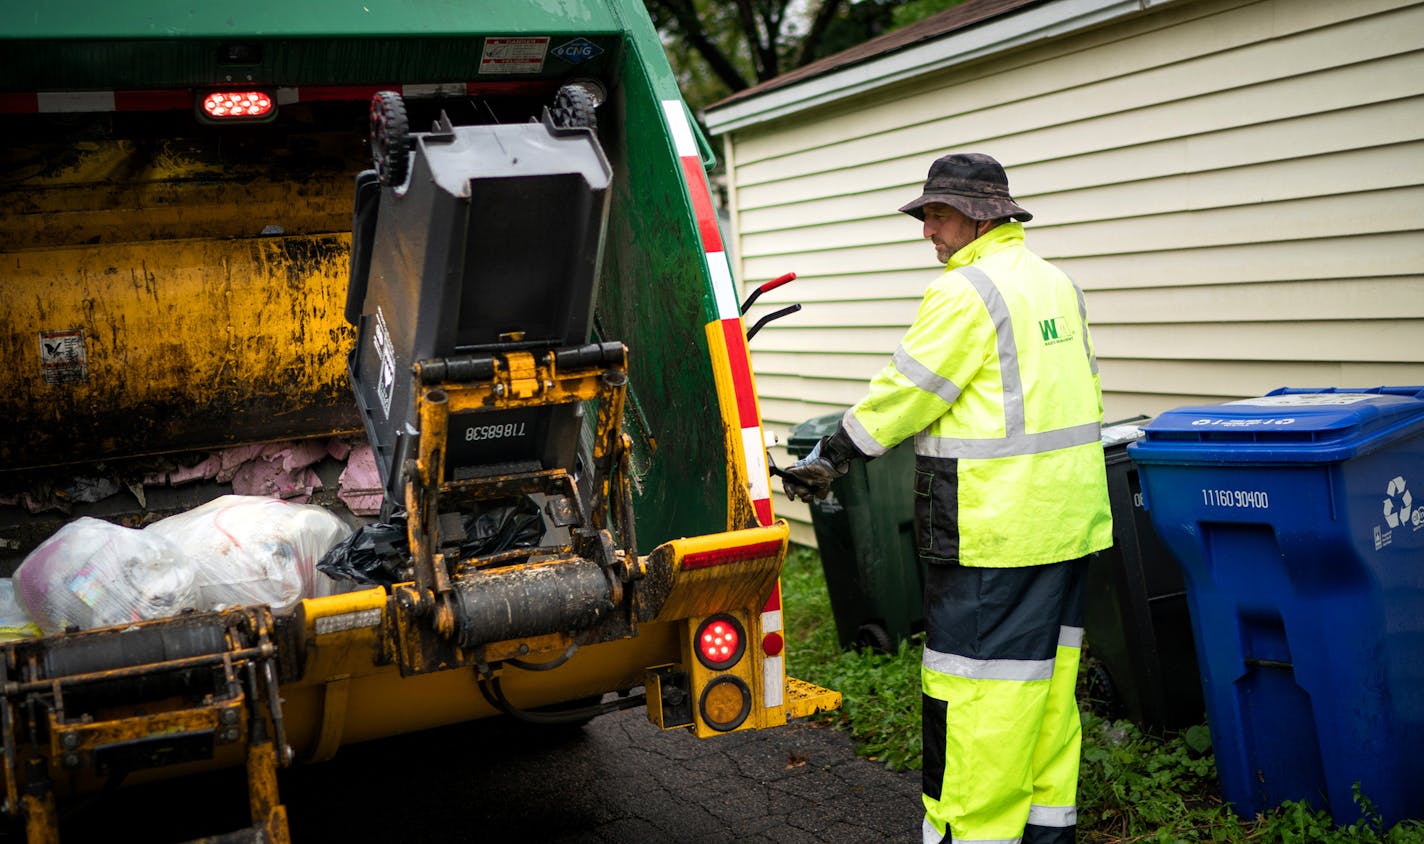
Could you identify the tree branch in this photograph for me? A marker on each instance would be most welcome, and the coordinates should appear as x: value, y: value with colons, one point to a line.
x: 819, y: 25
x: 689, y: 26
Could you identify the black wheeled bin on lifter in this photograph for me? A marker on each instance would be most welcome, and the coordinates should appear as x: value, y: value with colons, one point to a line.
x: 1137, y: 625
x: 865, y: 529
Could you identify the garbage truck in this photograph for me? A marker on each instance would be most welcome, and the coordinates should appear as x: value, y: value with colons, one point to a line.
x: 475, y: 242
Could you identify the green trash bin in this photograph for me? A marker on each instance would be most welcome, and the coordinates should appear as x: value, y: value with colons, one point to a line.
x: 1136, y: 623
x: 865, y: 529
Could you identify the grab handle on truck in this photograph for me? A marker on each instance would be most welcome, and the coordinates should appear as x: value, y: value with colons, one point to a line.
x: 765, y: 287
x: 762, y: 288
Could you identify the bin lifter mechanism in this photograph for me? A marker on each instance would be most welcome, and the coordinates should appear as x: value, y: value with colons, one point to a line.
x: 560, y: 589
x: 198, y: 686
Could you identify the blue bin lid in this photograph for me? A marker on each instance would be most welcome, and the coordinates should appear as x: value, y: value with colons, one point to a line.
x: 1287, y: 425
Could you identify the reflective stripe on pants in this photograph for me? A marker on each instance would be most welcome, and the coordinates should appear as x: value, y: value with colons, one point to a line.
x: 1002, y: 737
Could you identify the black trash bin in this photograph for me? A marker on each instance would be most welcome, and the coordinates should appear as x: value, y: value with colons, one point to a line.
x: 1137, y: 626
x: 866, y: 534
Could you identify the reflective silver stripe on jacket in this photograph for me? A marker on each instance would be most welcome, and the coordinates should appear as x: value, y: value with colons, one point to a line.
x: 861, y: 437
x: 924, y: 377
x: 1070, y: 637
x: 929, y: 836
x: 1083, y: 319
x: 1054, y: 816
x: 1011, y: 446
x: 1009, y: 377
x: 988, y: 669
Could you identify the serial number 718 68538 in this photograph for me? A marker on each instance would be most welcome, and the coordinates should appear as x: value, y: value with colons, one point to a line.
x: 494, y: 432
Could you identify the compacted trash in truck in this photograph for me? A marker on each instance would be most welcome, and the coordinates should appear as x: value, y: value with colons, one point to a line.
x: 477, y: 239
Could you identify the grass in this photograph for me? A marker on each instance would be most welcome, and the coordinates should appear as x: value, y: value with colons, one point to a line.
x: 1134, y: 787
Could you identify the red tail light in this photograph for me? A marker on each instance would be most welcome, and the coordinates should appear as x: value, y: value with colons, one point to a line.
x: 228, y: 106
x: 721, y: 642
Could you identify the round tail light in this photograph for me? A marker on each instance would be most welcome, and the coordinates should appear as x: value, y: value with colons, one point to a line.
x: 725, y: 703
x: 721, y: 641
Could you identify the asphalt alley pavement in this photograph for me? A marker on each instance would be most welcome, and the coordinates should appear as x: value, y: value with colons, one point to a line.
x: 617, y: 780
x: 622, y: 781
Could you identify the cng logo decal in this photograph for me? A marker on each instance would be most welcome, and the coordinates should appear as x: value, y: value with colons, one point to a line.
x: 1054, y: 331
x: 578, y: 50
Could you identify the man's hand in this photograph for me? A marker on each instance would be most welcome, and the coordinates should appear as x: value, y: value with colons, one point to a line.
x: 811, y: 476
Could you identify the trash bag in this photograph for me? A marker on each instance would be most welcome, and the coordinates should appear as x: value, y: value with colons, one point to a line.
x: 15, y: 623
x: 92, y: 573
x: 501, y: 525
x: 249, y: 549
x: 380, y: 553
x: 255, y: 549
x: 373, y: 554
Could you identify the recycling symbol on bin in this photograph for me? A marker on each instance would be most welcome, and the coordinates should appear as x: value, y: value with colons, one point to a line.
x: 1396, y: 514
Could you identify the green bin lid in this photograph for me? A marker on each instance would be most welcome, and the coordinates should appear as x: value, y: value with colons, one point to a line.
x: 808, y: 433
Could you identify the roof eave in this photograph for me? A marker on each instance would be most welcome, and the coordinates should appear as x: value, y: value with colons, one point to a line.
x: 986, y: 38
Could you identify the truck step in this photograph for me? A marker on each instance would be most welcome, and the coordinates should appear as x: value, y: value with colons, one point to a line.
x: 803, y: 698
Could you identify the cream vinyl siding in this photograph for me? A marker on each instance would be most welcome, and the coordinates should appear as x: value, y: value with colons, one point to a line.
x: 1238, y: 187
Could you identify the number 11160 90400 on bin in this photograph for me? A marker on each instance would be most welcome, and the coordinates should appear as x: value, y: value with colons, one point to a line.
x: 1246, y: 499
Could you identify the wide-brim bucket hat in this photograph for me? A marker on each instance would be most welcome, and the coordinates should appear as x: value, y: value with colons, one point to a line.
x: 973, y: 184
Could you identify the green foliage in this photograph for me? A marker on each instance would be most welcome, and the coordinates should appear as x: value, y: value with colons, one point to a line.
x: 719, y: 47
x: 1133, y: 787
x: 914, y: 10
x: 881, y: 692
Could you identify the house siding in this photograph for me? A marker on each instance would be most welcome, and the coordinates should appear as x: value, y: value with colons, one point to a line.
x: 1238, y: 188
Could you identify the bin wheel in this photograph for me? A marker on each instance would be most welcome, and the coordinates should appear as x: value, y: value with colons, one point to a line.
x: 1100, y: 691
x: 390, y: 137
x: 573, y: 108
x: 872, y: 635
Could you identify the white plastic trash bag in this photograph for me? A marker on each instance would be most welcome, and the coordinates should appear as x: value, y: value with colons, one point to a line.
x: 247, y: 549
x: 15, y: 623
x: 92, y: 573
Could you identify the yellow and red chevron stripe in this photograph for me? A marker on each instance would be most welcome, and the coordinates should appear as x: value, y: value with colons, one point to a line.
x: 728, y: 337
x: 743, y: 415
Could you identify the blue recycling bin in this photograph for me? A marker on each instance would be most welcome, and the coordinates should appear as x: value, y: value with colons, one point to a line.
x: 1298, y: 520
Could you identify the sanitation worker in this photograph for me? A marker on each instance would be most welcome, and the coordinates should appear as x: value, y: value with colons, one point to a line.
x: 997, y: 382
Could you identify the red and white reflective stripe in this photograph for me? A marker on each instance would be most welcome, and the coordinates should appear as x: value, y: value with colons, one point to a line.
x: 773, y: 668
x: 728, y: 307
x: 53, y: 102
x: 57, y: 102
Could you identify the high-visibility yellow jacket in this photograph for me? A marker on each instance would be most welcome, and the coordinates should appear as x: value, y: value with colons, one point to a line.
x: 997, y: 381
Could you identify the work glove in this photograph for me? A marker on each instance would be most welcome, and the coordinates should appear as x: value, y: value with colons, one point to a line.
x: 811, y: 476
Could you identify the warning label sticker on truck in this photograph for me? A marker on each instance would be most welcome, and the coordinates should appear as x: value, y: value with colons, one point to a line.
x: 514, y: 55
x: 63, y: 359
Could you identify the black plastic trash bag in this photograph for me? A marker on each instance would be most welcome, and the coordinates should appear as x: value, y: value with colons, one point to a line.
x: 380, y: 553
x: 502, y: 525
x: 373, y: 554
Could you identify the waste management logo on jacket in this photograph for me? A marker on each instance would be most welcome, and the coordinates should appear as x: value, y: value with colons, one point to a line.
x: 1056, y: 330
